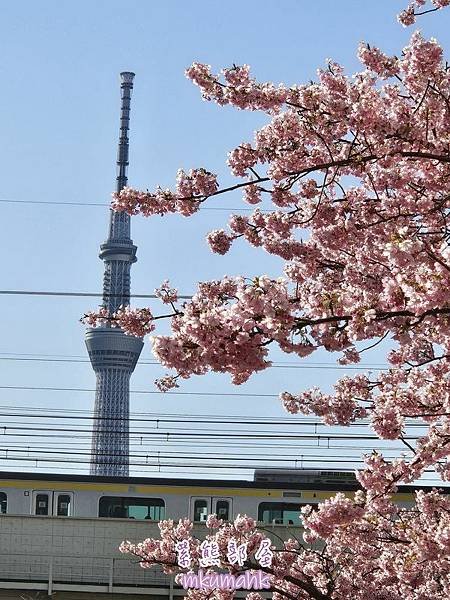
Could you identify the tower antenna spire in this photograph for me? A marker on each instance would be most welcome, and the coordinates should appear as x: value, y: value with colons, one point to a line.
x: 113, y: 354
x: 126, y: 86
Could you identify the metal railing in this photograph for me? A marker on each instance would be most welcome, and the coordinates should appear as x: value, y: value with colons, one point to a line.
x: 70, y: 572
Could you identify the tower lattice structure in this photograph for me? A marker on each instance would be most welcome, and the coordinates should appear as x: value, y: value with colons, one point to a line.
x: 113, y: 354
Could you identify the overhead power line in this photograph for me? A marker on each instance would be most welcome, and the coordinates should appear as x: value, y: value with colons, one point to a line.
x: 288, y: 419
x: 169, y: 455
x: 200, y: 433
x: 323, y: 443
x: 274, y: 365
x: 155, y: 462
x: 245, y: 474
x: 158, y: 424
x: 172, y: 393
x: 56, y: 355
x: 104, y: 205
x: 160, y: 419
x: 79, y: 294
x: 203, y: 445
x: 181, y: 471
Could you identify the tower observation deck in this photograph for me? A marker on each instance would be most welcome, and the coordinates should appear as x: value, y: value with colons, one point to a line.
x: 113, y: 354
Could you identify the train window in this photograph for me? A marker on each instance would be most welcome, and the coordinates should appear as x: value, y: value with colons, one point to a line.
x: 3, y: 503
x: 41, y: 504
x: 283, y: 513
x: 63, y: 505
x: 223, y: 509
x: 119, y: 507
x: 200, y: 511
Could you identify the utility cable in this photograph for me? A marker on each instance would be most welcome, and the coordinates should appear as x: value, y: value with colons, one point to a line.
x: 154, y: 362
x: 104, y: 205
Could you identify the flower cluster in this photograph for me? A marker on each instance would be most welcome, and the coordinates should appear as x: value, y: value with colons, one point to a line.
x: 134, y: 321
x: 167, y: 294
x: 191, y: 190
x: 362, y: 262
x: 238, y: 88
x: 364, y: 553
x: 224, y: 327
x: 408, y: 16
x: 358, y: 171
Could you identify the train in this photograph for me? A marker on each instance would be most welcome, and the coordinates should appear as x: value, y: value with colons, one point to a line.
x: 275, y: 496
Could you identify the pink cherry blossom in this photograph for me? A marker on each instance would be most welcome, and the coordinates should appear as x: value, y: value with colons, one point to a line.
x: 354, y: 171
x: 167, y: 294
x: 134, y: 321
x: 363, y: 261
x: 219, y: 241
x: 365, y: 547
x: 408, y: 16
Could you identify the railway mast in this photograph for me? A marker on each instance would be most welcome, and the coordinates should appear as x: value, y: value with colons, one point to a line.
x: 113, y: 354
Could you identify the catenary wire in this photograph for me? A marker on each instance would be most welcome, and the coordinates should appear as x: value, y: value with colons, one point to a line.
x: 141, y: 441
x: 180, y: 455
x: 159, y: 423
x: 274, y: 365
x: 199, y: 419
x: 181, y: 471
x: 216, y: 466
x: 79, y: 294
x: 289, y: 419
x: 309, y: 451
x: 8, y: 429
x: 83, y: 356
x: 214, y: 445
x: 71, y: 459
x: 104, y: 205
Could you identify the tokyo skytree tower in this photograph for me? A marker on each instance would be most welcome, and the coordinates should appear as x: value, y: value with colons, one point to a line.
x: 113, y: 354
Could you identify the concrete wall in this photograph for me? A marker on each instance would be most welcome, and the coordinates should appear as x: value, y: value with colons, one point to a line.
x: 75, y: 553
x: 76, y: 550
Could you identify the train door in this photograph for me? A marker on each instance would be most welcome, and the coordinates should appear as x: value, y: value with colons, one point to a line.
x: 202, y: 506
x: 48, y: 503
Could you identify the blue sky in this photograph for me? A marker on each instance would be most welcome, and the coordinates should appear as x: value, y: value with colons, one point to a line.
x: 59, y: 66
